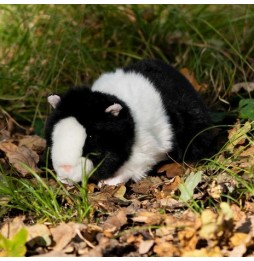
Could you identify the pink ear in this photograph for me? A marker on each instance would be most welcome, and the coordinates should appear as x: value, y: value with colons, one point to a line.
x: 54, y: 100
x: 114, y: 109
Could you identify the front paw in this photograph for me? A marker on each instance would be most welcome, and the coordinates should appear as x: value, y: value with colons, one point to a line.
x: 111, y: 182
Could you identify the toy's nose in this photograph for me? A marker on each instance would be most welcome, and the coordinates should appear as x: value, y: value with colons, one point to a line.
x: 66, y: 168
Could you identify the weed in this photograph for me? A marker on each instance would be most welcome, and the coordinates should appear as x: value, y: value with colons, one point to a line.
x: 47, y: 48
x: 44, y: 199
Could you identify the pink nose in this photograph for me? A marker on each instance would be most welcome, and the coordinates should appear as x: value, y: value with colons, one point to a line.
x: 66, y: 168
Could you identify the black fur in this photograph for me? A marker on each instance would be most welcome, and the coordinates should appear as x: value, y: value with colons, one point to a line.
x: 109, y: 138
x: 185, y: 108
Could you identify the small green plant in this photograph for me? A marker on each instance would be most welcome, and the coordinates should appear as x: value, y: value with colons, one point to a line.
x: 246, y: 109
x: 14, y: 247
x: 44, y: 199
x: 190, y: 183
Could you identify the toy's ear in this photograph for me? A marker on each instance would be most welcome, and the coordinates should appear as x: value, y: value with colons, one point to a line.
x: 114, y: 109
x: 54, y: 100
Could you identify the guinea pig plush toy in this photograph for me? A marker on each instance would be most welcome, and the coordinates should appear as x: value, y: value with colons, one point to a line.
x: 130, y: 120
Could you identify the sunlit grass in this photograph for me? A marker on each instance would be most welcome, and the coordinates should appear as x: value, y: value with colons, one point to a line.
x: 47, y: 48
x: 46, y: 199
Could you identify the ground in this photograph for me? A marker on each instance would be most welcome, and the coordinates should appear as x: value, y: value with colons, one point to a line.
x: 182, y: 210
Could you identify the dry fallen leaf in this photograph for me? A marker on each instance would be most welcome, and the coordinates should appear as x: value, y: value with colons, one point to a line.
x: 4, y: 135
x: 115, y: 222
x: 145, y: 246
x: 238, y: 215
x: 120, y: 193
x: 249, y: 206
x: 9, y: 229
x: 240, y: 242
x: 172, y: 170
x: 237, y: 251
x: 247, y: 86
x: 217, y: 226
x: 148, y: 218
x: 171, y: 186
x: 170, y: 203
x: 34, y: 143
x: 55, y: 254
x: 209, y: 227
x: 105, y: 244
x: 188, y: 238
x: 191, y: 78
x: 239, y: 238
x: 248, y: 152
x: 145, y: 186
x: 237, y: 135
x: 165, y: 249
x: 39, y: 235
x: 203, y: 252
x: 62, y: 235
x: 20, y: 157
x: 215, y: 190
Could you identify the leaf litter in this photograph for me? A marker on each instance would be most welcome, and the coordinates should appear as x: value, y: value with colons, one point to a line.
x: 179, y: 211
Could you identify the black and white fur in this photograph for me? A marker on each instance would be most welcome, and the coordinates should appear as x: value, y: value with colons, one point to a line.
x: 133, y: 118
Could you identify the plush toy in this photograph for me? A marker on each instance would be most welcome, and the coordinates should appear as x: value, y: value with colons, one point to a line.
x: 131, y: 119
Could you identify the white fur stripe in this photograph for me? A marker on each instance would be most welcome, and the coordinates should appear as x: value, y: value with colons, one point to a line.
x: 68, y: 138
x: 152, y: 129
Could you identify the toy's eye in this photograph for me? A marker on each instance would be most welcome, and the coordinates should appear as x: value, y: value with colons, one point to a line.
x: 90, y: 136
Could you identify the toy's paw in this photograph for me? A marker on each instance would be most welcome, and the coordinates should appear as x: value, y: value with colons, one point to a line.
x: 112, y: 181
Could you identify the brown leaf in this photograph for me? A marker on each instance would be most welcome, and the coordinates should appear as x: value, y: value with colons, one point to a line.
x: 91, y: 187
x: 173, y: 185
x: 146, y: 185
x: 172, y: 170
x: 164, y: 231
x: 188, y: 238
x: 55, y: 254
x: 170, y: 202
x: 105, y: 244
x: 145, y: 246
x: 247, y: 86
x: 238, y: 251
x: 249, y: 206
x: 34, y: 143
x: 62, y: 235
x: 165, y: 249
x: 191, y: 78
x: 240, y: 242
x: 4, y: 135
x: 237, y: 135
x: 239, y: 239
x: 215, y: 190
x: 148, y: 218
x: 11, y: 228
x: 38, y: 234
x: 209, y: 226
x: 238, y: 214
x: 248, y: 152
x: 203, y: 252
x: 115, y: 222
x: 20, y: 156
x: 120, y: 193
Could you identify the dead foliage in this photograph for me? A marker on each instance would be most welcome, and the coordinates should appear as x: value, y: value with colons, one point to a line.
x: 147, y: 218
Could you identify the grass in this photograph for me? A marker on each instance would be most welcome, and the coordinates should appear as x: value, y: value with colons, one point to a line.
x: 46, y: 48
x: 44, y: 199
